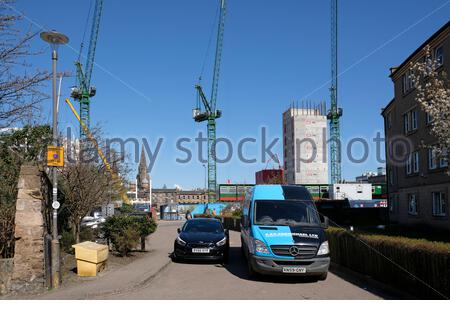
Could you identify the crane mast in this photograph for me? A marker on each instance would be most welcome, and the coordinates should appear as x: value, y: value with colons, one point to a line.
x: 211, y: 114
x: 84, y: 92
x: 335, y: 113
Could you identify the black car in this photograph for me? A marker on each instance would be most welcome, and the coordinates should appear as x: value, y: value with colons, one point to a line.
x: 202, y: 239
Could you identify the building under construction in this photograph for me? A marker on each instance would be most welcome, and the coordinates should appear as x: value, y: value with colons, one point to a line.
x: 304, y: 142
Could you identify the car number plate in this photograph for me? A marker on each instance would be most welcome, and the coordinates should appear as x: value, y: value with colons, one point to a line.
x: 200, y: 250
x: 294, y: 270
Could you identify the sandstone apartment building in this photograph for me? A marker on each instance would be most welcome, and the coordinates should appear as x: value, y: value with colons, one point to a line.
x: 418, y: 187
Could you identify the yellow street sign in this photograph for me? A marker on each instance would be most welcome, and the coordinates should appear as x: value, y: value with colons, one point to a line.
x: 55, y: 156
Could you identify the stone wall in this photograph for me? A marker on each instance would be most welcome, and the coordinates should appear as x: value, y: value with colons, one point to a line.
x: 28, y: 270
x: 6, y: 267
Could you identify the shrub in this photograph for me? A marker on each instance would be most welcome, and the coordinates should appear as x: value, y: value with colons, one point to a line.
x: 67, y: 240
x: 87, y: 234
x: 126, y: 240
x: 420, y: 267
x: 121, y: 230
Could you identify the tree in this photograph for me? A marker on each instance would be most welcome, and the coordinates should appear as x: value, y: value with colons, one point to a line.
x: 20, y: 94
x: 85, y: 186
x: 86, y: 182
x: 433, y: 97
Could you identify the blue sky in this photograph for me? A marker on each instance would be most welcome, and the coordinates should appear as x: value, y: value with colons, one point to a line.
x: 150, y: 55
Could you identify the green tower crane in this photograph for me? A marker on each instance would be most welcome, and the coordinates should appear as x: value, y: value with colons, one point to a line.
x: 335, y: 113
x: 210, y: 113
x: 83, y: 92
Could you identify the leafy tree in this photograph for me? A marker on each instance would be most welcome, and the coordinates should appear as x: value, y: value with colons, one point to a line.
x: 433, y: 97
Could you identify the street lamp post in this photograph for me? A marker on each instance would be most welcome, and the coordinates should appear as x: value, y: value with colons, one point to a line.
x: 55, y: 39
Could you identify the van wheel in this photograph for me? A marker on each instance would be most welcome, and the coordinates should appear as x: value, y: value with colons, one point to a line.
x: 242, y: 248
x: 251, y: 272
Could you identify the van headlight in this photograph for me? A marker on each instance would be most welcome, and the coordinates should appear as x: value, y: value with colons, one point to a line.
x: 222, y: 242
x: 181, y: 242
x: 324, y: 249
x: 260, y: 247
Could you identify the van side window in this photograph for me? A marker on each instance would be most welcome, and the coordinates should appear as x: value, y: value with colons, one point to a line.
x: 247, y: 212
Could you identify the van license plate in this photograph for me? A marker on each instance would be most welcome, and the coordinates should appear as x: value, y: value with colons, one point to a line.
x: 200, y: 250
x: 294, y: 270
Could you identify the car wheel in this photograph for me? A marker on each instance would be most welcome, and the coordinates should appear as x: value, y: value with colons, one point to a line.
x: 323, y: 276
x: 174, y: 257
x: 226, y: 258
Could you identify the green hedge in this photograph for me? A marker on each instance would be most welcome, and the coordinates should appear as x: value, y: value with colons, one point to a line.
x: 394, y: 260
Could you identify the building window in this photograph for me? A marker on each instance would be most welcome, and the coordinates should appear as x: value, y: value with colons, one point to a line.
x: 407, y: 82
x: 412, y: 163
x: 389, y: 120
x: 414, y: 120
x: 406, y: 122
x: 432, y: 159
x: 410, y: 121
x: 443, y: 159
x: 412, y: 204
x: 439, y: 205
x: 416, y: 165
x: 429, y: 119
x: 409, y: 165
x: 439, y: 56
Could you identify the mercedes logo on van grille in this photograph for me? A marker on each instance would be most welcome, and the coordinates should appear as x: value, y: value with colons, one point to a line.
x: 294, y: 251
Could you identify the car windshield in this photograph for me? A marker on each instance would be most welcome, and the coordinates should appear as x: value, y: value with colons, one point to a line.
x: 284, y: 212
x: 195, y: 226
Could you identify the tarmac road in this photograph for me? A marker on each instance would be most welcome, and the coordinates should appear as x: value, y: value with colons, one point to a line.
x: 154, y: 276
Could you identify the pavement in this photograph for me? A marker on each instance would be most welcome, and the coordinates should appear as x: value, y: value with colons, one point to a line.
x: 155, y: 276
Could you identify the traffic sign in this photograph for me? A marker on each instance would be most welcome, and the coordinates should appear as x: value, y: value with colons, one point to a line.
x: 56, y: 205
x: 55, y: 156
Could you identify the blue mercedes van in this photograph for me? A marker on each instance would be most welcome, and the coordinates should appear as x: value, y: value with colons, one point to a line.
x: 282, y: 234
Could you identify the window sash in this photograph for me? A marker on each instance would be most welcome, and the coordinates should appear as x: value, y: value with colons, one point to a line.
x: 432, y: 159
x: 429, y: 119
x: 439, y: 204
x: 412, y: 204
x: 409, y: 165
x: 389, y: 120
x: 443, y: 160
x: 416, y: 162
x: 414, y: 120
x: 406, y: 121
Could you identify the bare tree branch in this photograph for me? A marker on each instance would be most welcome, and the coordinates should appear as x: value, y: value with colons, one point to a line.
x: 20, y: 86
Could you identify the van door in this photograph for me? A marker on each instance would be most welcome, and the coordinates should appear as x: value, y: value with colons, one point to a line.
x: 246, y: 223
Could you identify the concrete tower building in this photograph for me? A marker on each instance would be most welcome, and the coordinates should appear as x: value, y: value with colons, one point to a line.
x: 305, y: 147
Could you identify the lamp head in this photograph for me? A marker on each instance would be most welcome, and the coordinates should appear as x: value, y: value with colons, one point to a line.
x: 54, y: 38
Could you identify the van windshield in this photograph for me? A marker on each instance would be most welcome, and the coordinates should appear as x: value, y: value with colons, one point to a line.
x: 285, y: 212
